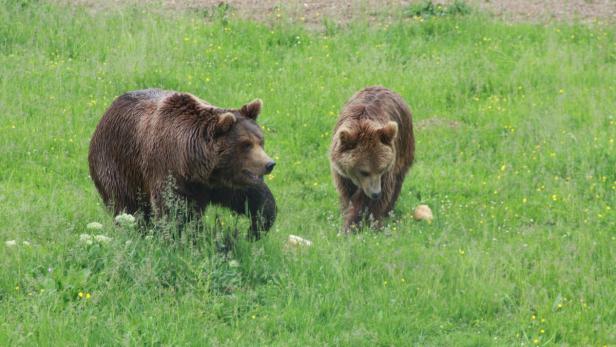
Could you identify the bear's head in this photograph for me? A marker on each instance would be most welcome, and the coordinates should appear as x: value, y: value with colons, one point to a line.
x: 242, y: 160
x: 363, y: 152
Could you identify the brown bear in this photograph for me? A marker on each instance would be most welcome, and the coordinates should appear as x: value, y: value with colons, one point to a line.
x: 372, y: 149
x: 211, y: 155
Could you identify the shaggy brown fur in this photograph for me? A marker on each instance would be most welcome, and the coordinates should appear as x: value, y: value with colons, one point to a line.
x: 372, y: 150
x: 212, y: 155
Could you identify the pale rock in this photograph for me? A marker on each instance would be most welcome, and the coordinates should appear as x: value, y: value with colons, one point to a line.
x: 298, y: 241
x: 423, y: 212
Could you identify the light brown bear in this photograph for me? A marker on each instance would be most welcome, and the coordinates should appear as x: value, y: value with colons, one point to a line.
x: 372, y: 149
x: 212, y: 155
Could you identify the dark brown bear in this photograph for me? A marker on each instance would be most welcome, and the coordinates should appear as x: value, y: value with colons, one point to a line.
x: 372, y: 150
x: 212, y: 155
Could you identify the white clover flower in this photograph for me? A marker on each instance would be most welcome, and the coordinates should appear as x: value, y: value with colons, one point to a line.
x: 10, y: 243
x: 125, y: 219
x: 86, y: 238
x: 234, y: 263
x: 26, y: 243
x: 102, y: 238
x: 94, y: 226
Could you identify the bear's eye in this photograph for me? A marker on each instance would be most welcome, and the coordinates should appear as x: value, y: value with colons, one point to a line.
x: 364, y: 173
x: 246, y: 145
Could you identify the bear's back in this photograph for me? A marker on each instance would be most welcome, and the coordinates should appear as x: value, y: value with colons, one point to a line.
x: 146, y: 94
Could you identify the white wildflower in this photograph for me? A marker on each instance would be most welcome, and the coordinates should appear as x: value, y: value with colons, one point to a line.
x: 102, y: 238
x: 10, y: 243
x: 125, y: 219
x: 129, y: 242
x: 86, y: 238
x: 94, y: 226
x: 26, y: 243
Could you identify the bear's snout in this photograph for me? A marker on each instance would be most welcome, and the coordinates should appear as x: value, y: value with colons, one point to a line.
x: 269, y: 167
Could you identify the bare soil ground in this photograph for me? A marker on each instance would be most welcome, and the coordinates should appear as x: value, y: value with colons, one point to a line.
x: 542, y: 10
x: 313, y: 12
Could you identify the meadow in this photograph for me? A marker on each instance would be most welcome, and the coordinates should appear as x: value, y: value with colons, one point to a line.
x: 515, y: 127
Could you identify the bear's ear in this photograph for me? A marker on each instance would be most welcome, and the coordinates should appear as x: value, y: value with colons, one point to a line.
x: 252, y: 109
x: 388, y: 133
x: 347, y: 139
x: 224, y: 123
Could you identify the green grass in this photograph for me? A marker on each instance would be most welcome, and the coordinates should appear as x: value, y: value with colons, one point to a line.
x: 522, y: 249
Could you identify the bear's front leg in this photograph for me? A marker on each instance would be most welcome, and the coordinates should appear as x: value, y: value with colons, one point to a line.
x: 355, y: 211
x: 262, y: 208
x: 364, y: 211
x: 345, y: 188
x: 256, y: 201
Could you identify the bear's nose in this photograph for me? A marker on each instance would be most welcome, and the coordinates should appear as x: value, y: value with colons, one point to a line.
x: 269, y: 167
x: 375, y: 196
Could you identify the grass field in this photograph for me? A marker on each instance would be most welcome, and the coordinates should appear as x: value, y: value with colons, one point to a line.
x: 515, y: 154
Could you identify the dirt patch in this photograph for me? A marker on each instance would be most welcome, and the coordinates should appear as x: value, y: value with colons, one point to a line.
x: 315, y: 13
x: 309, y: 12
x: 546, y: 10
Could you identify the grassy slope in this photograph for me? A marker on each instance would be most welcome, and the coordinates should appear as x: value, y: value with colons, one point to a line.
x: 523, y: 190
